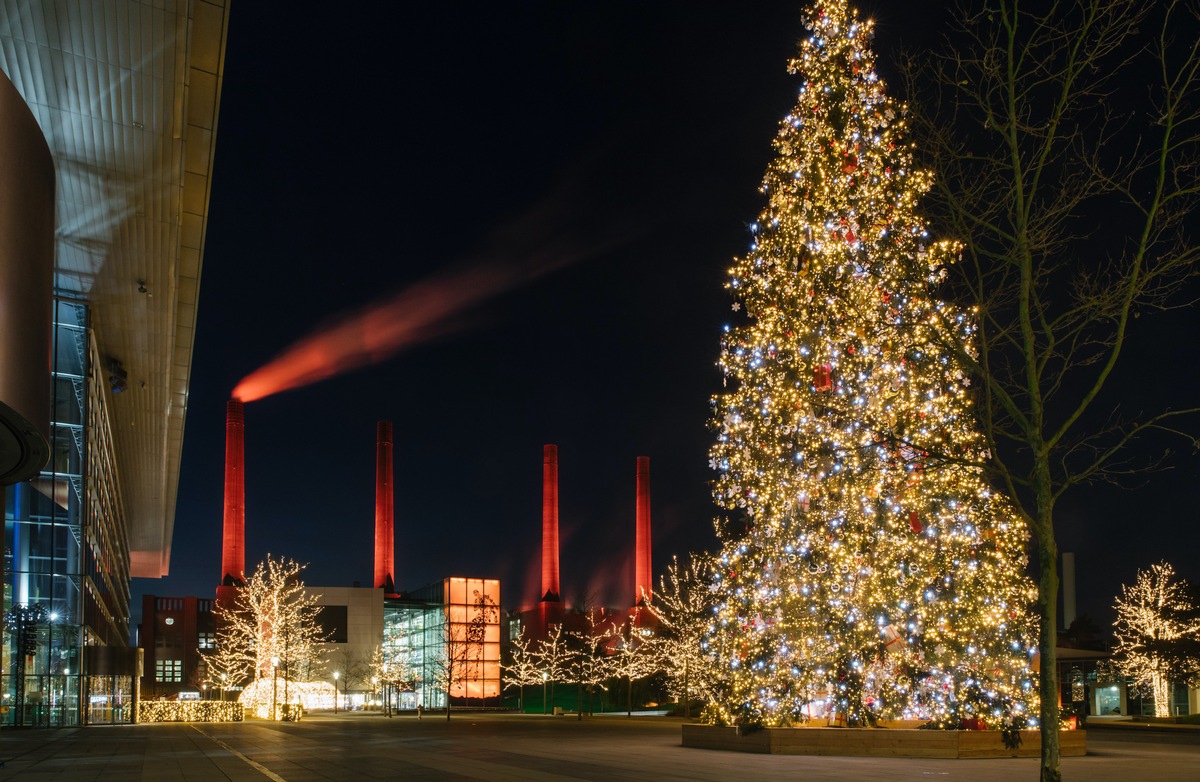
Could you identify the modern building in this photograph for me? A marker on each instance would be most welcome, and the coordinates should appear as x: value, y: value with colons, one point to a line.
x: 124, y: 96
x: 447, y: 631
x: 352, y: 621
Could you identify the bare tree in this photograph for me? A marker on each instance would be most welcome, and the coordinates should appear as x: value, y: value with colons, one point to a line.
x: 1070, y: 189
x: 486, y: 613
x: 462, y: 656
x: 354, y: 669
x: 449, y: 667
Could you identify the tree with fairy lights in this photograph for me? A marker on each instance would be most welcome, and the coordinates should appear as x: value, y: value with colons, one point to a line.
x: 683, y: 607
x: 521, y: 667
x: 270, y: 636
x: 1158, y: 633
x: 867, y: 570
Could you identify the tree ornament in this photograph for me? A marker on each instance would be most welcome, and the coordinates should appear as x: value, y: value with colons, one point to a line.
x: 823, y: 377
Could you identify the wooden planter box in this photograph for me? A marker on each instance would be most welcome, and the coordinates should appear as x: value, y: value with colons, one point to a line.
x: 879, y: 742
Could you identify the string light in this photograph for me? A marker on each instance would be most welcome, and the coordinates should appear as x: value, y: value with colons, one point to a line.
x: 189, y: 711
x: 1156, y: 617
x: 845, y: 438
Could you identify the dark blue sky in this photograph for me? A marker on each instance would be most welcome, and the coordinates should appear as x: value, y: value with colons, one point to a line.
x: 360, y: 151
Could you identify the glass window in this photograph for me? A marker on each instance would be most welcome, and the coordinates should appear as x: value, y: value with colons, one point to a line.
x: 169, y: 671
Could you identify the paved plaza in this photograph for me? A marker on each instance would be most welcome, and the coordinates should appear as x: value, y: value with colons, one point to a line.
x: 514, y: 747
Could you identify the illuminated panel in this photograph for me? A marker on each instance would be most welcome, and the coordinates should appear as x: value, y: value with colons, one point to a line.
x: 472, y: 608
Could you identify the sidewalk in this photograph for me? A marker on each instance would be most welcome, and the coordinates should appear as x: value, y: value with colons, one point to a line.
x: 523, y: 748
x: 1142, y: 729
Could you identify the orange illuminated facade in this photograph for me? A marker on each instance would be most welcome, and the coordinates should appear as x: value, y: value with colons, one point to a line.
x: 447, y: 633
x: 472, y: 632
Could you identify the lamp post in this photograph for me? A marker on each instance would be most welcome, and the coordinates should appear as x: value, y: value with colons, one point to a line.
x: 274, y: 687
x: 62, y: 693
x: 336, y: 675
x: 545, y: 679
x: 287, y: 674
x: 387, y: 692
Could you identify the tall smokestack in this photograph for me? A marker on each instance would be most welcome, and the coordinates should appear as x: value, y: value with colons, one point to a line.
x: 233, y: 549
x: 642, y: 578
x: 385, y: 511
x: 1068, y: 589
x: 550, y: 587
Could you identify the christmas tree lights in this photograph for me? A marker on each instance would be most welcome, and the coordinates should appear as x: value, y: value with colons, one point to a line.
x: 875, y: 573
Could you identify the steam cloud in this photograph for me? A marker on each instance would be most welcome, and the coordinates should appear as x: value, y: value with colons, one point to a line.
x: 426, y: 309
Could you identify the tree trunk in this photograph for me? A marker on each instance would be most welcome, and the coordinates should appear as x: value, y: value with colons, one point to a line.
x: 579, y: 710
x: 687, y: 695
x: 1162, y: 694
x: 629, y: 695
x: 1048, y: 636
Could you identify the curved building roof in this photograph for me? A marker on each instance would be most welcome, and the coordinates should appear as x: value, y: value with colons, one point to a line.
x: 126, y: 94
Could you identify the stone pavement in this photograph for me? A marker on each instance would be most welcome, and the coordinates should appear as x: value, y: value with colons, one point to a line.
x: 517, y: 747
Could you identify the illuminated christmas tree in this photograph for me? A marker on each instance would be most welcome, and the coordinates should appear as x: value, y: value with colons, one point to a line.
x: 867, y: 568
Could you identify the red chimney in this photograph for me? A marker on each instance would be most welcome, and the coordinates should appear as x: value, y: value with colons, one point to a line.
x: 550, y: 588
x: 642, y: 577
x: 233, y: 550
x: 385, y: 510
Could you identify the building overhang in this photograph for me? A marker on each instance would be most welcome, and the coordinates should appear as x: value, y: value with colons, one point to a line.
x: 127, y: 95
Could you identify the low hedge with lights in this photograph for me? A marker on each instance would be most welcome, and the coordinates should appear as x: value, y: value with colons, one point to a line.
x: 190, y: 711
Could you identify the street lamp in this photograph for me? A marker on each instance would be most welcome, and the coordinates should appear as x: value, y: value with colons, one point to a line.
x: 545, y: 678
x: 274, y: 687
x: 387, y: 692
x: 336, y: 676
x: 287, y: 674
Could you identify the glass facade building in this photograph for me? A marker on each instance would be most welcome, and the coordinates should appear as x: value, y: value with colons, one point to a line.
x: 447, y: 636
x: 66, y: 564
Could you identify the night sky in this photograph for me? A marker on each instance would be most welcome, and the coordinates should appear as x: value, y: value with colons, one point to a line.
x: 602, y: 159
